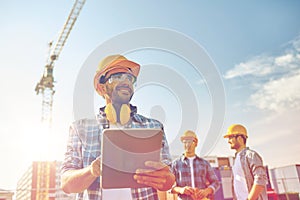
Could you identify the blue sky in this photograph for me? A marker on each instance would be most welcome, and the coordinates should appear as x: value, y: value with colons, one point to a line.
x: 253, y: 46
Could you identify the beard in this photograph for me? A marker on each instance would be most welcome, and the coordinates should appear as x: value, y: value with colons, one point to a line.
x: 234, y: 146
x: 118, y: 96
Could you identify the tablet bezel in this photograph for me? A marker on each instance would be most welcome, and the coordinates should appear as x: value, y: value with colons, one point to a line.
x: 124, y: 151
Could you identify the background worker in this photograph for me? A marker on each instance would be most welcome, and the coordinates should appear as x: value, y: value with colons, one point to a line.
x: 195, y: 178
x: 249, y: 173
x: 113, y: 81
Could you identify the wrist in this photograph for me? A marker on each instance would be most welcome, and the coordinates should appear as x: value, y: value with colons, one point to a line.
x: 209, y: 191
x: 170, y: 182
x: 92, y: 172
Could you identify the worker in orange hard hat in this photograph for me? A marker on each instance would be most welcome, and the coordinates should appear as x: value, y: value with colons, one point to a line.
x: 114, y: 64
x: 195, y: 178
x: 114, y: 81
x: 248, y: 172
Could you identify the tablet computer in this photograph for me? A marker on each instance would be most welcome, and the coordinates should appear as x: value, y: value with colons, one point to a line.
x: 124, y: 151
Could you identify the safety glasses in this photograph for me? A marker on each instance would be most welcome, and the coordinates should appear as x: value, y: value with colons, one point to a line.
x: 119, y: 77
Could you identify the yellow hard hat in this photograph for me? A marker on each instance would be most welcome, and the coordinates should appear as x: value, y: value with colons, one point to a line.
x: 236, y: 129
x: 189, y: 135
x: 111, y: 65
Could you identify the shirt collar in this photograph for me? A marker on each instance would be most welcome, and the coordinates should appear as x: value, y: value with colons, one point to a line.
x: 242, y: 152
x: 186, y: 158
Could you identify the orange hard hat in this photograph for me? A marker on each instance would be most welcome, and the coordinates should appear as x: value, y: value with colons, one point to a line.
x: 111, y: 65
x: 236, y: 129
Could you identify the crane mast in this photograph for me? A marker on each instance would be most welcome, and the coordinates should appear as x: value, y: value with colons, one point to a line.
x: 46, y: 84
x: 46, y: 87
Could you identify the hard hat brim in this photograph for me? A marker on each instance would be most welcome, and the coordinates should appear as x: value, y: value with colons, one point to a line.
x: 125, y: 66
x: 229, y: 135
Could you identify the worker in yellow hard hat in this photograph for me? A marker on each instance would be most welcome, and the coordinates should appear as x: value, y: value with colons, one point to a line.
x: 249, y: 176
x: 237, y: 131
x: 195, y: 178
x: 114, y: 81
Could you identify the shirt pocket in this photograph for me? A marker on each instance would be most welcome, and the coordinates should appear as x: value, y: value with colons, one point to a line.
x: 200, y: 176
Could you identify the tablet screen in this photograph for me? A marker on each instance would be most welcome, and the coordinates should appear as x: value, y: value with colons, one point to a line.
x: 124, y: 151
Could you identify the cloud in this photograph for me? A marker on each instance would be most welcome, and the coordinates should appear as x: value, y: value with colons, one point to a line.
x: 275, y: 79
x: 266, y: 65
x: 284, y: 60
x: 258, y: 66
x: 278, y: 95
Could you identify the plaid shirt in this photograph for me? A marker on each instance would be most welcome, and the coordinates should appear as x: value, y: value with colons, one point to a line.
x: 254, y: 170
x: 203, y: 173
x: 84, y: 146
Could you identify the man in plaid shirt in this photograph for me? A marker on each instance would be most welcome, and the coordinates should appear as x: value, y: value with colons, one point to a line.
x: 114, y: 81
x: 195, y: 178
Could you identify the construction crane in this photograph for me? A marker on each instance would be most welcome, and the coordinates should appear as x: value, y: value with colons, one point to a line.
x: 46, y: 84
x: 46, y: 87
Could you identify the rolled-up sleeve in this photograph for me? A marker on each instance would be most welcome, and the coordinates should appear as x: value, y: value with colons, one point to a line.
x: 213, y: 179
x: 258, y: 170
x: 73, y: 154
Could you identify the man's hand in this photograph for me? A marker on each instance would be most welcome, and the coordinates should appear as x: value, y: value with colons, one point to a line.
x: 78, y: 180
x: 203, y: 193
x: 195, y: 193
x: 158, y: 176
x: 186, y: 190
x: 95, y: 167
